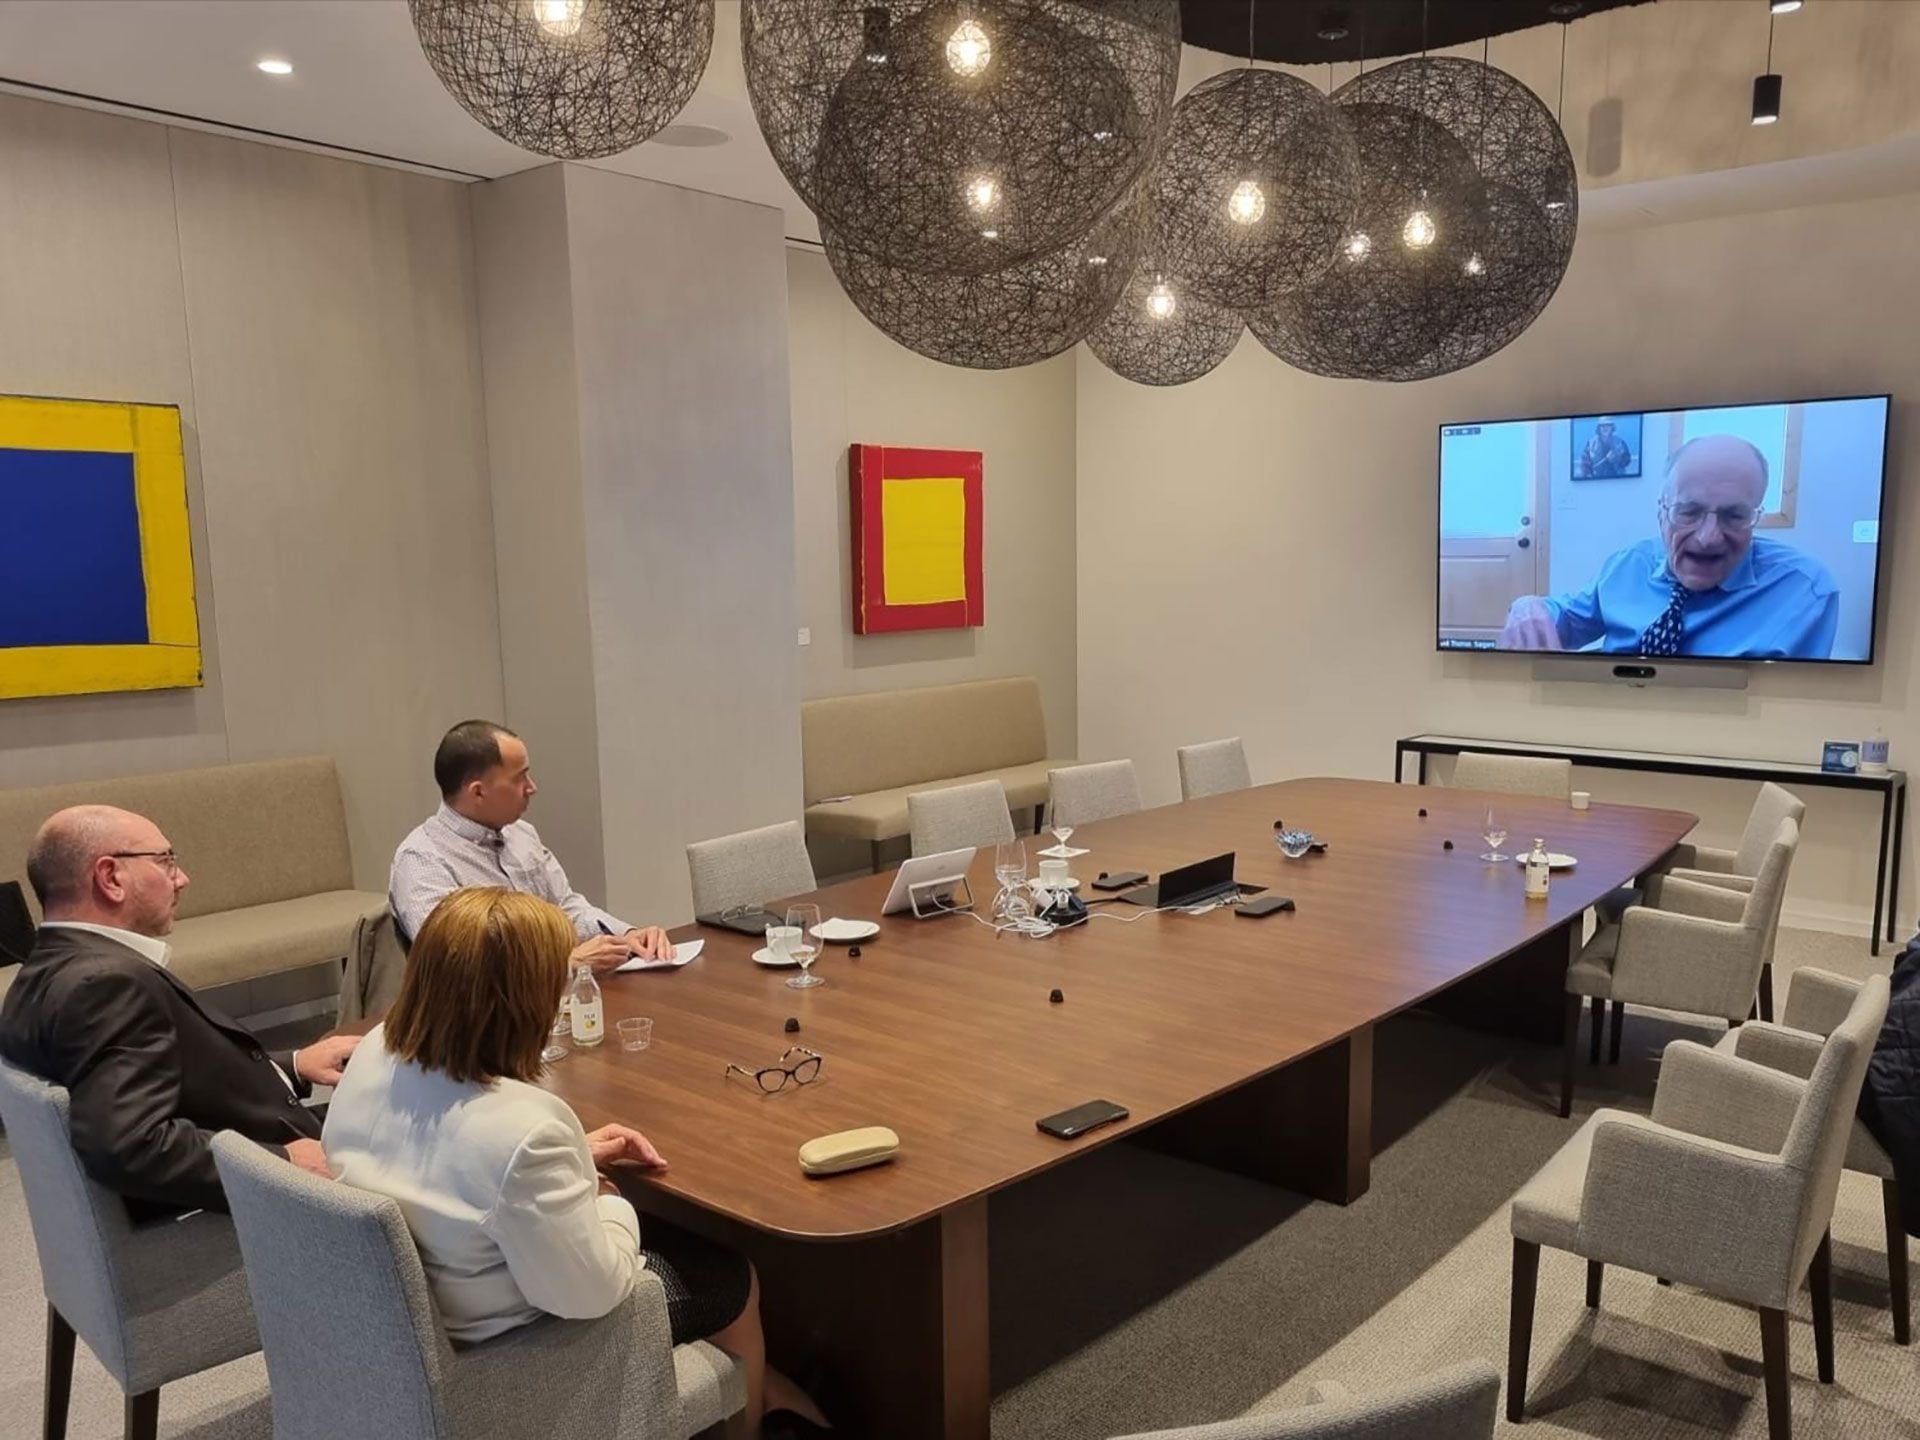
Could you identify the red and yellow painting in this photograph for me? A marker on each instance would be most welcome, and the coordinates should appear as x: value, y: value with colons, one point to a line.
x: 917, y: 530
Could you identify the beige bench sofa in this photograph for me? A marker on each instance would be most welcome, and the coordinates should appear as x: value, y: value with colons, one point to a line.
x: 862, y: 755
x: 265, y: 846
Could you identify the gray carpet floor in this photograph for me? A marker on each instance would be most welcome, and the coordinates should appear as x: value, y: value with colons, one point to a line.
x: 1133, y: 1290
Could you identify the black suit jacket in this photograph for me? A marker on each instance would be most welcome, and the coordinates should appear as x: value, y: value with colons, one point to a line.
x: 153, y: 1070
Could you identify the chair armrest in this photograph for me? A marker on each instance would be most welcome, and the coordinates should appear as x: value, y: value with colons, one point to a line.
x: 1743, y: 883
x: 1818, y: 1000
x: 1725, y: 1097
x: 1685, y: 856
x: 1680, y: 896
x: 1690, y: 1209
x: 564, y: 1377
x: 1686, y: 962
x: 1791, y: 1052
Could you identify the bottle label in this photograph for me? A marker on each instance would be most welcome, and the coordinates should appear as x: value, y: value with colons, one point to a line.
x: 588, y: 1021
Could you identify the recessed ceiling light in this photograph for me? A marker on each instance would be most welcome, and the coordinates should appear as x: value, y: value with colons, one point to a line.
x: 1785, y: 7
x: 276, y: 67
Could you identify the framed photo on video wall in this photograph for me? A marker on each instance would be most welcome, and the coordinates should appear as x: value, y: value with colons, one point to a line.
x: 1605, y: 447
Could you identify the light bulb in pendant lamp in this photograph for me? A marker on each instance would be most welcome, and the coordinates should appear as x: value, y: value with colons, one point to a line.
x: 969, y: 51
x: 1475, y: 265
x: 1359, y: 245
x: 1419, y: 231
x: 1766, y: 99
x: 1161, y: 302
x: 1247, y: 203
x: 560, y: 18
x: 1784, y: 7
x: 983, y: 194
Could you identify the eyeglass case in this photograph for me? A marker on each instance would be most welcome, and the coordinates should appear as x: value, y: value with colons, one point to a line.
x: 849, y: 1150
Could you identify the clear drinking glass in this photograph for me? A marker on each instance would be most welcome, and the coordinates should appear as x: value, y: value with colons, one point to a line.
x: 1010, y: 869
x: 1495, y: 834
x: 802, y: 919
x: 1061, y: 832
x: 562, y: 1026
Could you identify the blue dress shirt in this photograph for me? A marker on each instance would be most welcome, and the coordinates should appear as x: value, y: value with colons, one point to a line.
x: 449, y: 852
x: 1778, y: 604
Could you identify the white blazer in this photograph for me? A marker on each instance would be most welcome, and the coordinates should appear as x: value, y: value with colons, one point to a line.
x: 497, y: 1185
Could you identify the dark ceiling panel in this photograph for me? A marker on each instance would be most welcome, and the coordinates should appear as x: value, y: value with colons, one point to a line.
x: 1290, y: 30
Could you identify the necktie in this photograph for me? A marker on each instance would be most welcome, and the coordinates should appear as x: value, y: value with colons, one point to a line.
x: 1662, y: 637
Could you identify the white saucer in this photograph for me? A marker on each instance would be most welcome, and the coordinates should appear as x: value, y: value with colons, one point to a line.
x: 1062, y: 852
x: 764, y: 956
x: 1072, y: 882
x: 1555, y: 860
x: 844, y: 932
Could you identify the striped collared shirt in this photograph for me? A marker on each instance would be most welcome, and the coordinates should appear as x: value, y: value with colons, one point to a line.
x: 450, y: 852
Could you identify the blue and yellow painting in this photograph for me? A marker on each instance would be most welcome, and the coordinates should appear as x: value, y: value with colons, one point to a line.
x: 96, y: 561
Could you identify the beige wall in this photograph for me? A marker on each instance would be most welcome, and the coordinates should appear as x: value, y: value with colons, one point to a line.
x: 851, y: 384
x: 314, y: 319
x: 1270, y: 535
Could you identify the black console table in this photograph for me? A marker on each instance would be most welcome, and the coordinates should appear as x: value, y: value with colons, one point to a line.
x: 1891, y: 787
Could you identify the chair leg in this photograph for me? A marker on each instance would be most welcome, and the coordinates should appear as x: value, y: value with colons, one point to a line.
x: 1598, y: 1026
x: 1820, y: 1282
x: 143, y: 1415
x: 1773, y: 1361
x: 1526, y: 1281
x: 1619, y: 1024
x: 1596, y: 1270
x: 1766, y: 991
x: 59, y: 1381
x: 1039, y: 817
x: 1570, y: 1043
x: 874, y: 846
x: 1896, y: 1262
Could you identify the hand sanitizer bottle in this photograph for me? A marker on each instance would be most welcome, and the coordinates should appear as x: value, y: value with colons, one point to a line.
x: 585, y: 1013
x: 1537, y: 869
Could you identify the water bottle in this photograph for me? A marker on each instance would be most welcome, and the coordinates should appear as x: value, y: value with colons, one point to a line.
x: 1873, y: 754
x: 1537, y: 871
x: 586, y: 1015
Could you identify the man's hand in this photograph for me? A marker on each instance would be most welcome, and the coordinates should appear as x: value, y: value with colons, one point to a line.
x: 308, y: 1155
x: 622, y: 1142
x: 602, y: 952
x: 1530, y: 626
x: 649, y: 944
x: 322, y: 1062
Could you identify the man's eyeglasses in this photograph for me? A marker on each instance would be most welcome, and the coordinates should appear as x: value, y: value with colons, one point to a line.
x: 774, y: 1078
x: 165, y: 859
x: 1687, y: 514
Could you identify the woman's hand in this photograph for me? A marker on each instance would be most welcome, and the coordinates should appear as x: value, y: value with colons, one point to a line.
x: 612, y: 1143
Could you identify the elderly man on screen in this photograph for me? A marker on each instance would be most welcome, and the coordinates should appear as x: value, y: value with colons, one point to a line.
x: 1707, y: 586
x: 478, y: 836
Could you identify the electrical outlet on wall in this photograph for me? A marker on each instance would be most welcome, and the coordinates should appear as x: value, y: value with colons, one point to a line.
x: 806, y: 636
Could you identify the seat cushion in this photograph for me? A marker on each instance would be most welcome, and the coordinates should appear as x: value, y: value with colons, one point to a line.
x: 211, y: 950
x: 711, y: 1383
x: 882, y: 814
x: 1592, y: 970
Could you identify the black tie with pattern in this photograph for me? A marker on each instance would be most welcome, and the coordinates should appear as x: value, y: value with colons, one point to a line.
x: 1662, y: 637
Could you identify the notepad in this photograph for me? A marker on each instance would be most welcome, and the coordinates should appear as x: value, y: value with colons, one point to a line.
x: 683, y: 953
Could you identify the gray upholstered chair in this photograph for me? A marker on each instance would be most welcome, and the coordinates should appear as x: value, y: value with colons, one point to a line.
x: 1082, y: 794
x: 1213, y: 767
x: 1729, y: 1186
x: 1457, y: 1403
x: 1817, y: 1002
x: 750, y: 868
x: 958, y: 816
x: 1514, y: 774
x: 354, y: 1347
x: 1700, y: 951
x: 155, y: 1302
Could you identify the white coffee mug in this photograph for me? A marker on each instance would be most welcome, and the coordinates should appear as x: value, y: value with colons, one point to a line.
x: 1582, y: 799
x: 1052, y: 872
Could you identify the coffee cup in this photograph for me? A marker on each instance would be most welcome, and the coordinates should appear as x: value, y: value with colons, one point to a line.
x: 1582, y: 799
x: 1052, y: 872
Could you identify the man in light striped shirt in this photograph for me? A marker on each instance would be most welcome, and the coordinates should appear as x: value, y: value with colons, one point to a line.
x: 478, y: 837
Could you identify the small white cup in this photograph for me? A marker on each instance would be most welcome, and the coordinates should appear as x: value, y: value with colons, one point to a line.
x: 1052, y: 872
x: 1582, y: 799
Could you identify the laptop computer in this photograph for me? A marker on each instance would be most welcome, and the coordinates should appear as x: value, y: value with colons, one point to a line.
x: 1193, y: 884
x: 748, y: 920
x: 925, y: 873
x: 16, y: 924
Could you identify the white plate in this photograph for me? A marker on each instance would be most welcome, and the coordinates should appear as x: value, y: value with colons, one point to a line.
x: 764, y: 956
x: 1062, y: 852
x: 1072, y: 882
x: 844, y: 932
x: 1555, y: 860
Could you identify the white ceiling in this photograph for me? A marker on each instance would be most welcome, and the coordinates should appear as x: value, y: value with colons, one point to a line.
x: 361, y: 83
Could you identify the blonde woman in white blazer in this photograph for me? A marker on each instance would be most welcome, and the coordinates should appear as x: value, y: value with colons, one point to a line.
x: 503, y: 1190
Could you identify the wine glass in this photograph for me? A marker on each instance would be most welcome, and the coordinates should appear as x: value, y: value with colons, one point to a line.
x: 1061, y: 831
x: 806, y: 946
x: 562, y: 1025
x: 1010, y: 869
x: 1495, y: 834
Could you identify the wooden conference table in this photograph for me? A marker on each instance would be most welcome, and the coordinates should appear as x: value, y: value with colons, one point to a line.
x: 1244, y: 1043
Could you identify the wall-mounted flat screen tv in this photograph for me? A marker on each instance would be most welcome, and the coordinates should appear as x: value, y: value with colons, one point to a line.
x: 1741, y: 532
